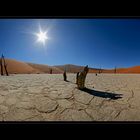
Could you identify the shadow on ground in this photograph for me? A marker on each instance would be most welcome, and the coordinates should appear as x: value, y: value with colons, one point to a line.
x: 66, y: 81
x: 102, y: 94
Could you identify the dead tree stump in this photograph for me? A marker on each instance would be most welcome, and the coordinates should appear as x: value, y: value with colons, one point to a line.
x: 65, y: 76
x: 81, y: 78
x: 77, y: 77
x: 50, y: 71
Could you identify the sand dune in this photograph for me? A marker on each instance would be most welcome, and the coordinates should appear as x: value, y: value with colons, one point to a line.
x: 75, y: 68
x: 70, y: 68
x: 130, y: 70
x: 45, y: 68
x: 17, y: 67
x: 135, y: 69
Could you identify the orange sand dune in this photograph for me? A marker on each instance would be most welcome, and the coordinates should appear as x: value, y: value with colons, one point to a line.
x: 93, y: 71
x: 135, y: 69
x: 18, y: 67
x: 15, y: 67
x: 74, y: 69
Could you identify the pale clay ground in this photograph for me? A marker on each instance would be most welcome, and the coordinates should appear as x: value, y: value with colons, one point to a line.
x: 45, y: 97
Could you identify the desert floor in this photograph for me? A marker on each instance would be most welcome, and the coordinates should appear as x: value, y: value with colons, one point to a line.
x: 46, y: 97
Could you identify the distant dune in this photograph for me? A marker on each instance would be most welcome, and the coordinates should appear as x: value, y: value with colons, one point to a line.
x: 135, y: 69
x: 18, y: 67
x: 75, y: 68
x: 45, y: 68
x: 70, y: 68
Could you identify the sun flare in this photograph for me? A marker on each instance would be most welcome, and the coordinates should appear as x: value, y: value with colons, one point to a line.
x: 42, y: 36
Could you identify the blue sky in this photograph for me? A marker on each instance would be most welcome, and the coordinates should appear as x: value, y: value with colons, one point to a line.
x: 102, y: 43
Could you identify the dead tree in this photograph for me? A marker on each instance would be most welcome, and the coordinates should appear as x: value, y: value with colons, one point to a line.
x: 5, y: 65
x: 81, y: 78
x: 65, y: 76
x: 50, y: 71
x: 77, y: 77
x: 1, y: 66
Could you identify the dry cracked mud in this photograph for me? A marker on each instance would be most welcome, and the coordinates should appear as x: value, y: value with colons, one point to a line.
x: 46, y: 97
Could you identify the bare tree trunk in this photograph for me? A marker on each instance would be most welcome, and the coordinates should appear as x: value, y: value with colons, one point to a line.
x: 65, y: 76
x: 81, y: 78
x: 5, y: 66
x: 1, y: 66
x: 77, y: 77
x: 6, y: 70
x: 50, y: 71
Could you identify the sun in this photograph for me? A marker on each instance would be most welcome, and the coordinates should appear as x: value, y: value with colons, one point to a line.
x: 42, y: 36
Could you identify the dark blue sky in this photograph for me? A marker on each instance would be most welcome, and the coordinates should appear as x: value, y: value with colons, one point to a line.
x: 102, y: 43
